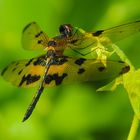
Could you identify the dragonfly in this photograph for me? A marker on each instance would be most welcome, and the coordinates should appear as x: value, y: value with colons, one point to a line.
x: 55, y: 67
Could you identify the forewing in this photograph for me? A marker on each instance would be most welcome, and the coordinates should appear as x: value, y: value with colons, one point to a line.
x: 119, y: 32
x: 33, y: 37
x: 81, y: 43
x: 24, y: 73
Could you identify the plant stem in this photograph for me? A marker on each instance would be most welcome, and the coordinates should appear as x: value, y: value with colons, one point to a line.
x: 135, y: 122
x: 133, y: 129
x: 122, y: 55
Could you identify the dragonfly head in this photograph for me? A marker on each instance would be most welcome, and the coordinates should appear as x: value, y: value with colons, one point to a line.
x: 66, y: 30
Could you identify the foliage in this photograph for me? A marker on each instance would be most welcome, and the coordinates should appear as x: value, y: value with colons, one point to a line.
x: 74, y: 112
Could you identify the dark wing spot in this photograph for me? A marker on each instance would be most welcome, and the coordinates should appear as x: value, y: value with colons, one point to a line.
x: 4, y: 70
x: 37, y: 35
x: 20, y: 72
x: 16, y: 63
x: 121, y: 61
x: 28, y: 26
x: 58, y: 79
x: 43, y: 56
x: 29, y: 62
x: 39, y: 61
x: 39, y: 41
x: 97, y: 33
x: 125, y: 69
x: 80, y: 61
x: 81, y: 70
x: 63, y: 60
x: 29, y: 79
x: 14, y: 69
x: 101, y: 69
x: 48, y: 79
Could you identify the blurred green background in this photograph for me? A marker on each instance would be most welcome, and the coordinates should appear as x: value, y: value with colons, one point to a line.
x: 72, y: 112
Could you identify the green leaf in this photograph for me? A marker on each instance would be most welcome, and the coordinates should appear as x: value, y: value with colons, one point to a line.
x: 132, y: 85
x: 112, y: 85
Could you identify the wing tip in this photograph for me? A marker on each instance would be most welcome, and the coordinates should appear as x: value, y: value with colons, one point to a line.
x: 125, y: 69
x: 28, y: 25
x: 3, y: 71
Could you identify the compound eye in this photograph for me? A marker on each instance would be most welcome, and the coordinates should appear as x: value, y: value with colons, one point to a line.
x: 66, y: 30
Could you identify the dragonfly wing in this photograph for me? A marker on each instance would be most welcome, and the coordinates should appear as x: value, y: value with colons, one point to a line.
x: 24, y: 73
x: 33, y: 37
x: 119, y: 32
x: 28, y: 73
x: 74, y: 70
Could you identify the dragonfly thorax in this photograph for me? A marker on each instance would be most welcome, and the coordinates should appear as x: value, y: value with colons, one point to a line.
x: 52, y: 43
x: 54, y: 48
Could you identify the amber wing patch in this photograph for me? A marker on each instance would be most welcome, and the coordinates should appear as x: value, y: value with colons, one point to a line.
x: 23, y: 73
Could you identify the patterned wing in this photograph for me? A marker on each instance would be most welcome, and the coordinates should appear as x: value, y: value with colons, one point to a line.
x: 80, y: 42
x: 33, y: 37
x: 28, y: 73
x: 24, y: 73
x: 74, y: 70
x: 83, y: 43
x: 119, y: 32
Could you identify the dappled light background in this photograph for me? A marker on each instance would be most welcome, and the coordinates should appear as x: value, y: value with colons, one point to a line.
x: 71, y: 112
